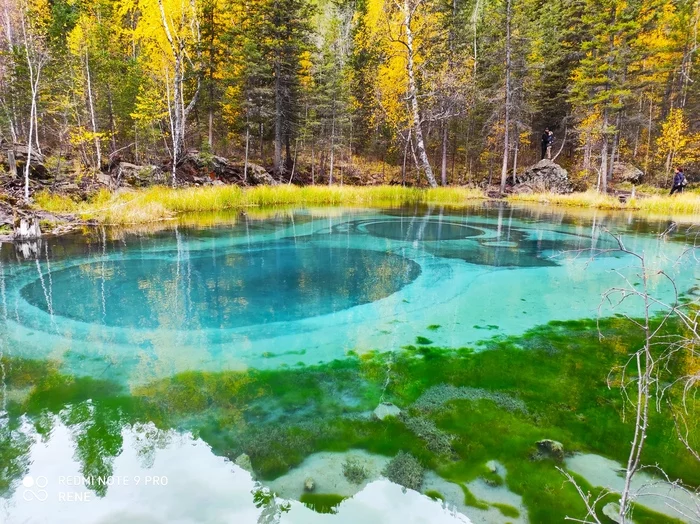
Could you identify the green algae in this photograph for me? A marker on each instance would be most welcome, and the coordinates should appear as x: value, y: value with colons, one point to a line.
x: 471, y: 500
x: 435, y: 495
x: 322, y: 502
x: 494, y: 404
x: 506, y: 510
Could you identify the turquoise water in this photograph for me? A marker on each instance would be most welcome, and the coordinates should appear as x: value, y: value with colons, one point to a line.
x: 304, y: 287
x: 297, y: 288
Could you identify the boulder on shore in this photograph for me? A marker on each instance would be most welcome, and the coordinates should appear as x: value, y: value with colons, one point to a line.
x: 624, y: 172
x: 258, y: 175
x: 544, y: 176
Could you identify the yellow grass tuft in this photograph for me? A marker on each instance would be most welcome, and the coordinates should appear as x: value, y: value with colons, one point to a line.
x: 679, y: 204
x: 161, y: 203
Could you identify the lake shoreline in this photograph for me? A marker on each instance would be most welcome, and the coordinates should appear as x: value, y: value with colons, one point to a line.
x: 60, y: 214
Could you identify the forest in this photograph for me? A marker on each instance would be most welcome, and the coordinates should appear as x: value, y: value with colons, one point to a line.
x: 419, y: 92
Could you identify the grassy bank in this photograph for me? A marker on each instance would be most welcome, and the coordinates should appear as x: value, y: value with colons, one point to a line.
x: 686, y: 203
x: 161, y: 203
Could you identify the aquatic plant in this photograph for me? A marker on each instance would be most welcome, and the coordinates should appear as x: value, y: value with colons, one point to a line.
x: 506, y: 510
x: 322, y: 502
x: 425, y: 429
x: 471, y: 500
x: 437, y: 396
x: 281, y: 416
x: 354, y: 471
x: 433, y: 494
x: 405, y: 470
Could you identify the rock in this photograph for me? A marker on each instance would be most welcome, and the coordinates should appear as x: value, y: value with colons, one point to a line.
x: 258, y: 175
x: 545, y: 175
x: 139, y: 176
x: 492, y: 466
x: 21, y: 152
x: 551, y: 448
x: 612, y: 511
x: 104, y: 179
x: 204, y: 169
x: 386, y: 409
x: 309, y: 484
x: 624, y: 172
x: 244, y: 462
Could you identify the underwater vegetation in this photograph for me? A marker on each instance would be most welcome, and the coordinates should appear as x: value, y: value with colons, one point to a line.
x: 460, y: 408
x: 354, y: 471
x: 405, y: 470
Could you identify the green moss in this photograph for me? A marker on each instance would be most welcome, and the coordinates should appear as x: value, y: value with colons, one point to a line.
x: 471, y: 500
x: 494, y: 404
x: 423, y: 341
x: 506, y: 510
x: 642, y: 515
x: 435, y: 495
x: 321, y: 502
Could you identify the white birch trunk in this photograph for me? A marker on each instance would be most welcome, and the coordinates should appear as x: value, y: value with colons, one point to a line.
x: 413, y: 97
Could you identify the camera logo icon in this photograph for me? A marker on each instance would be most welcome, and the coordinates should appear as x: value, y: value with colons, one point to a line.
x: 34, y: 488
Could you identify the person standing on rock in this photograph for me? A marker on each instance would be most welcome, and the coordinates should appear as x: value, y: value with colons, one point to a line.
x: 547, y: 141
x: 678, y: 180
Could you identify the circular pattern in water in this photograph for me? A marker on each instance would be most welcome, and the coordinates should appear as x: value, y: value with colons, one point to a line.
x: 227, y: 291
x: 422, y: 229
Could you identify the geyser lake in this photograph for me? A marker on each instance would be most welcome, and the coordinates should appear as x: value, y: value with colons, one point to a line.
x: 177, y: 375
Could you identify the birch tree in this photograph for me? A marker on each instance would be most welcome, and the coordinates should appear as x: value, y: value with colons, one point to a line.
x: 408, y: 9
x: 32, y: 18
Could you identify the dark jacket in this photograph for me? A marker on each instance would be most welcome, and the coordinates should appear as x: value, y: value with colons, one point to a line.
x: 678, y: 178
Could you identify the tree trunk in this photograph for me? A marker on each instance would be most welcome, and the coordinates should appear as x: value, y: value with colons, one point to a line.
x: 615, y: 145
x: 604, y: 154
x: 277, y: 161
x: 515, y: 160
x: 313, y: 163
x: 648, y: 151
x: 413, y: 98
x: 504, y: 167
x: 34, y: 76
x: 405, y: 155
x: 11, y: 162
x: 332, y: 152
x: 247, y: 148
x: 443, y: 170
x: 178, y: 115
x: 93, y: 120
